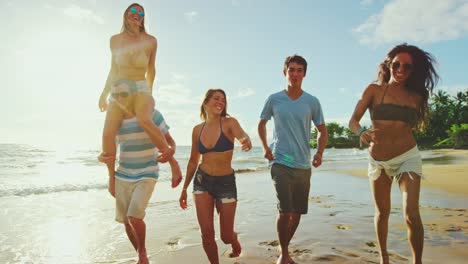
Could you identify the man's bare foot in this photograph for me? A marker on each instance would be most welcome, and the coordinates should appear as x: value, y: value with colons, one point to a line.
x: 176, y: 175
x: 384, y: 259
x: 285, y: 260
x: 236, y: 249
x: 290, y: 260
x: 142, y: 257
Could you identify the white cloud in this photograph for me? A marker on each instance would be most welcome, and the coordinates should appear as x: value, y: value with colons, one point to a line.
x: 191, y: 16
x: 175, y: 93
x: 179, y: 106
x: 366, y: 2
x: 80, y: 14
x: 177, y: 77
x: 415, y: 21
x: 243, y: 93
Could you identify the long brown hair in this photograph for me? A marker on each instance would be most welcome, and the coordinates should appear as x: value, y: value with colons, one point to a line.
x: 208, y: 96
x: 125, y: 26
x: 422, y: 79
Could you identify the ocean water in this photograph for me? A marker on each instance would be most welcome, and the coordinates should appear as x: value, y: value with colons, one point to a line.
x: 27, y: 170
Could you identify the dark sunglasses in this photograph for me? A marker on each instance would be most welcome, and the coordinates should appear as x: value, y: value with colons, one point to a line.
x: 121, y: 94
x: 406, y: 66
x: 134, y: 11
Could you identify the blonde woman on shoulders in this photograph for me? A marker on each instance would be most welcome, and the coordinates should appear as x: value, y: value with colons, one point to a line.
x: 133, y: 68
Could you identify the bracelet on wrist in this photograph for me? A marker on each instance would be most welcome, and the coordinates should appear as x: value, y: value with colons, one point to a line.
x: 362, y: 130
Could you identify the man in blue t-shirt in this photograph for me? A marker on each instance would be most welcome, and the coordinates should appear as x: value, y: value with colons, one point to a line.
x: 292, y: 109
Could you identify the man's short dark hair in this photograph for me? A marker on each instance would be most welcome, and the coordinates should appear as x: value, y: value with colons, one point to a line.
x: 297, y: 59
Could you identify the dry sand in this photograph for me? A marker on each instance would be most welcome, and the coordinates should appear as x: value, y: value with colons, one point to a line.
x: 451, y: 177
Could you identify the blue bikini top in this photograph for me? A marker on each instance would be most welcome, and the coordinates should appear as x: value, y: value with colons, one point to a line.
x: 223, y: 144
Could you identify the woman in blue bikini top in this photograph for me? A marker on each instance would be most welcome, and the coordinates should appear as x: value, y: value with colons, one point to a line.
x: 214, y: 184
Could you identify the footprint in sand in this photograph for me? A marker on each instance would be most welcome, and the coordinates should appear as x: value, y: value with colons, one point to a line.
x: 301, y: 251
x: 173, y: 242
x: 397, y: 256
x: 330, y: 258
x: 372, y: 251
x: 273, y: 243
x: 370, y: 244
x: 335, y: 213
x: 343, y: 227
x: 454, y: 228
x: 346, y: 253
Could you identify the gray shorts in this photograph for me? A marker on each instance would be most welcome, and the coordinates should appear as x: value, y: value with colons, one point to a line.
x: 292, y: 188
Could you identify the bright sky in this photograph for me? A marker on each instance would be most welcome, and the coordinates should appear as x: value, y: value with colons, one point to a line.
x: 55, y: 57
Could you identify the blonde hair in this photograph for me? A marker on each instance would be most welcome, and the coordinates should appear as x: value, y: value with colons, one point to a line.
x: 125, y: 26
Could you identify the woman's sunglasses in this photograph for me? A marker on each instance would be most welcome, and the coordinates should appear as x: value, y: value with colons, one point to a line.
x: 134, y: 11
x: 121, y: 94
x: 406, y: 66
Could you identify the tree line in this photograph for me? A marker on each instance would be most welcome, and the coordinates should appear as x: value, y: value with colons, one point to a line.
x: 446, y: 125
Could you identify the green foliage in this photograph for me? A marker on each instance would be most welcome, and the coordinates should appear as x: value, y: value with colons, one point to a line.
x: 313, y: 143
x: 444, y: 143
x: 338, y: 137
x: 459, y: 136
x: 444, y: 111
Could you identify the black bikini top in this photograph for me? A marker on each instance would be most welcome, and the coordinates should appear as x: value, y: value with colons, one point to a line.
x: 394, y: 112
x: 223, y: 144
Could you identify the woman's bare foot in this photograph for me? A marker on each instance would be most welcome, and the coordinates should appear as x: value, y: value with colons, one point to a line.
x: 236, y: 249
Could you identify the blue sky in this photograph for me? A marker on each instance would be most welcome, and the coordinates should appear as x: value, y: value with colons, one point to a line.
x: 55, y: 57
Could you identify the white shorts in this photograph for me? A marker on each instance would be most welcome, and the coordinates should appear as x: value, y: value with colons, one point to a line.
x: 409, y: 161
x: 133, y: 86
x: 132, y: 198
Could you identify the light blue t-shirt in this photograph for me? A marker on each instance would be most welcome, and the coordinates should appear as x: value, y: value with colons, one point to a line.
x: 137, y: 158
x: 292, y: 120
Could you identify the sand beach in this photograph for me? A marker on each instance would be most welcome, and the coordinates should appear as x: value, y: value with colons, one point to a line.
x: 77, y: 225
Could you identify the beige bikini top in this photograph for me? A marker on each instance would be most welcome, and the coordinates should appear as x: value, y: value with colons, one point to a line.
x: 132, y: 56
